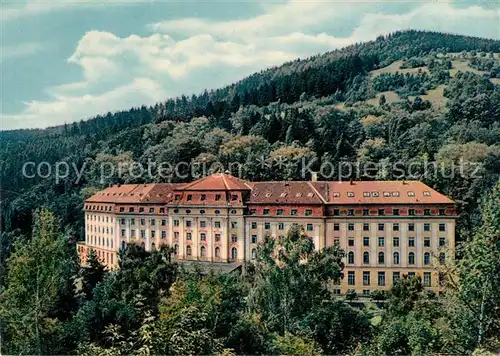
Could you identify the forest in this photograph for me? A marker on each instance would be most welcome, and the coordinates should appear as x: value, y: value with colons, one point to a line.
x: 336, y: 107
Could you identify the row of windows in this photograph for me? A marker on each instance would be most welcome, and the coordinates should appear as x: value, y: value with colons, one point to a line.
x: 143, y: 234
x: 351, y: 278
x: 395, y: 226
x: 99, y: 229
x: 98, y: 218
x: 99, y: 207
x: 281, y: 226
x: 307, y: 212
x: 395, y: 258
x: 382, y: 212
x: 396, y: 241
x: 203, y: 251
x: 100, y: 241
x: 141, y: 210
x: 163, y: 222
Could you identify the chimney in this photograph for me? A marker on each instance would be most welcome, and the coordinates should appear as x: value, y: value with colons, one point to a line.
x: 314, y: 176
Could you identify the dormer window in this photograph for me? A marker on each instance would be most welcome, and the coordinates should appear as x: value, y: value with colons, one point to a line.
x: 177, y: 197
x: 310, y: 195
x: 189, y: 197
x: 350, y: 194
x: 282, y: 195
x: 411, y: 194
x: 217, y: 197
x: 234, y: 197
x: 203, y: 197
x: 387, y: 194
x: 336, y: 194
x: 268, y: 194
x: 366, y: 194
x: 298, y: 195
x: 395, y: 194
x: 427, y: 193
x: 375, y: 194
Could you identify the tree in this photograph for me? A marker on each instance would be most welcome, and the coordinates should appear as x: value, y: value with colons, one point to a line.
x: 91, y: 274
x: 39, y: 289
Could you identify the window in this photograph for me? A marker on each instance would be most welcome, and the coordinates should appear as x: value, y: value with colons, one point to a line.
x: 293, y: 212
x: 427, y: 242
x: 254, y: 225
x: 309, y: 227
x: 153, y: 246
x: 176, y: 222
x: 188, y: 223
x: 203, y: 251
x: 124, y: 244
x: 122, y: 221
x: 350, y: 212
x: 442, y: 241
x: 151, y: 210
x: 395, y: 212
x: 366, y: 278
x: 336, y: 212
x: 366, y: 212
x: 163, y: 234
x: 266, y: 211
x: 381, y: 212
x: 123, y: 232
x: 381, y: 227
x: 366, y: 258
x: 254, y: 254
x: 381, y: 241
x: 176, y: 250
x: 176, y: 235
x: 234, y: 238
x: 411, y: 258
x: 336, y: 227
x: 366, y: 227
x: 217, y: 237
x: 350, y: 194
x: 381, y: 258
x: 234, y: 197
x: 350, y: 226
x: 217, y: 197
x: 217, y: 212
x: 203, y: 236
x: 427, y: 258
x: 427, y: 227
x: 141, y: 210
x: 411, y: 212
x: 153, y: 233
x: 442, y: 258
x: 281, y: 226
x: 442, y: 227
x: 395, y: 227
x: 427, y: 211
x: 351, y: 242
x: 217, y: 252
x: 395, y: 277
x: 395, y: 241
x: 411, y: 242
x: 143, y: 222
x: 411, y: 274
x: 132, y: 233
x: 177, y: 197
x: 153, y: 222
x: 411, y: 194
x: 233, y: 211
x: 308, y: 212
x: 254, y: 239
x: 411, y: 227
x: 163, y: 222
x: 351, y: 278
x: 202, y: 211
x: 279, y: 212
x: 162, y: 210
x: 442, y: 212
x: 217, y: 224
x: 143, y: 234
x: 395, y: 259
x: 234, y: 253
x: 366, y: 241
x: 234, y: 224
x: 188, y: 211
x: 267, y: 225
x: 427, y: 279
x: 381, y: 278
x: 350, y: 257
x: 203, y: 224
x: 188, y: 250
x: 188, y: 236
x: 122, y: 210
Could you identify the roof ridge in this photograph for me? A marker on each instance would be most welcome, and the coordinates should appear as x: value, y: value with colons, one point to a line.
x: 223, y: 176
x: 316, y: 191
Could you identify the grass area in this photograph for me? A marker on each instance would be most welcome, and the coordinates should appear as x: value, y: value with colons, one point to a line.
x: 395, y: 67
x: 435, y: 96
x: 390, y: 97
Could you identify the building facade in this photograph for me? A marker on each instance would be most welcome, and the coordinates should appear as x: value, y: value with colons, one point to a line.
x: 387, y: 228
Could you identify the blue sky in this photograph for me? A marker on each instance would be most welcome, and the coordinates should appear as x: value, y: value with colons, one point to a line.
x: 63, y: 61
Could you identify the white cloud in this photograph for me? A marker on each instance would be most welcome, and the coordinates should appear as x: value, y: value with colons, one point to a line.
x: 21, y: 50
x: 213, y: 53
x: 66, y: 109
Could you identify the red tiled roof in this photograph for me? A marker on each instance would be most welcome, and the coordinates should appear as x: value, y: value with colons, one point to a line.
x: 384, y: 192
x: 135, y: 193
x: 288, y: 193
x: 218, y: 181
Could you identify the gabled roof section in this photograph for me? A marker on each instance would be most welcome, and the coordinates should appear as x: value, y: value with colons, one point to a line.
x: 135, y: 193
x: 384, y: 192
x: 219, y: 182
x: 287, y: 193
